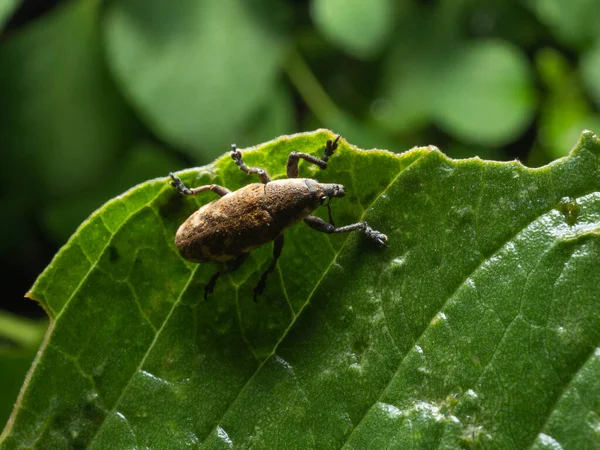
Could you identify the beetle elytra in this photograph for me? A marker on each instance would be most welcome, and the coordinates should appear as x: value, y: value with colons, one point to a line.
x: 227, y: 229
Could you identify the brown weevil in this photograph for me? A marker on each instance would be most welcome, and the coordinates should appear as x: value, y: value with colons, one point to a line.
x: 227, y: 229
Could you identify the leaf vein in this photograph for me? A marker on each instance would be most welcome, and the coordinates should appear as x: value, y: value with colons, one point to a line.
x: 594, y: 349
x: 475, y: 269
x: 146, y: 354
x: 239, y: 322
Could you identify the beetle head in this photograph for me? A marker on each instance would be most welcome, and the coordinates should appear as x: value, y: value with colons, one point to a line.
x: 329, y: 191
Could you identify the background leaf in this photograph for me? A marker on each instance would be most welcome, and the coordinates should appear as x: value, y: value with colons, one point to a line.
x: 566, y: 110
x: 478, y: 327
x: 590, y: 70
x: 7, y: 8
x: 485, y: 95
x: 480, y: 91
x: 170, y: 59
x: 71, y: 120
x: 359, y: 28
x: 574, y: 23
x: 63, y: 126
x: 19, y: 342
x: 142, y: 162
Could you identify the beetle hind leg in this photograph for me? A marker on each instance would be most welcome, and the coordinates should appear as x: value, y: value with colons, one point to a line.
x: 236, y: 155
x: 230, y: 266
x: 210, y: 286
x: 260, y: 287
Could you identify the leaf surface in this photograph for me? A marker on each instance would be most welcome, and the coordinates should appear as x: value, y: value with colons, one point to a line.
x: 479, y: 326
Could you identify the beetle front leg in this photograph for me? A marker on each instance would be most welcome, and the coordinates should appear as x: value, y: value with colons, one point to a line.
x: 319, y: 224
x: 294, y: 158
x: 236, y: 155
x: 184, y: 190
x: 260, y: 287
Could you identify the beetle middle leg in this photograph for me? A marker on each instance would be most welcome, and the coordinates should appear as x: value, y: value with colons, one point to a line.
x: 260, y: 287
x: 294, y: 158
x: 319, y: 224
x: 184, y: 190
x: 236, y: 155
x: 230, y: 266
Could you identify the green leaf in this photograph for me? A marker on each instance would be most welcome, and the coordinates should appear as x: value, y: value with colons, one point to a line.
x: 58, y: 100
x: 478, y: 327
x: 327, y: 112
x: 485, y: 95
x: 197, y: 69
x: 479, y: 91
x: 274, y: 119
x: 411, y: 70
x: 7, y: 8
x: 561, y: 119
x: 590, y: 70
x: 565, y: 110
x: 19, y: 341
x: 575, y: 22
x: 357, y: 27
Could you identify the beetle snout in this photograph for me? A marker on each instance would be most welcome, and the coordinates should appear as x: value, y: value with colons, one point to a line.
x: 334, y: 190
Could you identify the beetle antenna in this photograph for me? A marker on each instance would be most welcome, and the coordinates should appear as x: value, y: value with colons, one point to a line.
x: 330, y: 216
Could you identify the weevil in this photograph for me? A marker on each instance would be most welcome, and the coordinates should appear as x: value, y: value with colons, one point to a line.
x: 227, y: 229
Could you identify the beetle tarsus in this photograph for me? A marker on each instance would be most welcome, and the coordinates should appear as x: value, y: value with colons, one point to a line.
x: 331, y: 147
x: 178, y: 184
x: 379, y: 238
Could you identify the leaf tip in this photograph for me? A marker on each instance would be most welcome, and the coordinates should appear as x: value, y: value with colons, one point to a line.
x: 30, y: 295
x: 41, y: 301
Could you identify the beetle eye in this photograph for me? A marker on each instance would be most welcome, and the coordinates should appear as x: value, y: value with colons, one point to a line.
x: 323, y: 199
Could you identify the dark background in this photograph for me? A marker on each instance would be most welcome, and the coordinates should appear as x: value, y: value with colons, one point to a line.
x: 96, y: 96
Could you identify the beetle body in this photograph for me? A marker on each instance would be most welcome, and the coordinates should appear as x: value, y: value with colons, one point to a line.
x: 226, y: 230
x: 250, y: 217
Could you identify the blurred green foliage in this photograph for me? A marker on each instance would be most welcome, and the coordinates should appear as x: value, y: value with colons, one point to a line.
x: 96, y: 96
x: 19, y: 342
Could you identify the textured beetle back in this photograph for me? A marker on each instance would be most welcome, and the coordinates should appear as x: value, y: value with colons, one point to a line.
x: 227, y: 227
x: 289, y: 201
